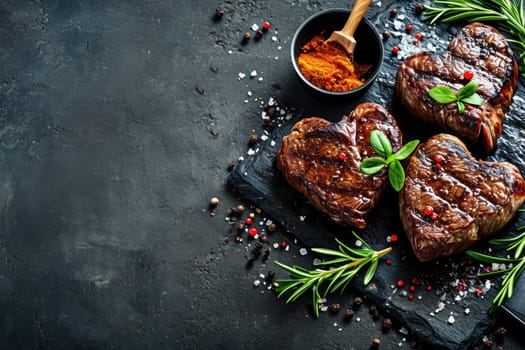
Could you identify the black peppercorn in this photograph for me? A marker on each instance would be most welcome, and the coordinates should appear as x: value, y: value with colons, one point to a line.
x: 487, y: 344
x: 386, y: 34
x: 219, y: 13
x: 372, y: 309
x: 271, y: 112
x: 349, y: 313
x: 358, y: 301
x: 272, y: 227
x: 375, y: 343
x: 241, y: 226
x: 253, y: 139
x: 258, y: 34
x: 335, y: 307
x: 246, y: 36
x: 387, y: 323
x: 393, y: 12
x: 230, y: 166
x: 271, y: 274
x: 500, y: 333
x: 419, y: 8
x: 263, y: 238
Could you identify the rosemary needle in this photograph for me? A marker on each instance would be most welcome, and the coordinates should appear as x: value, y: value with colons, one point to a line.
x: 346, y: 263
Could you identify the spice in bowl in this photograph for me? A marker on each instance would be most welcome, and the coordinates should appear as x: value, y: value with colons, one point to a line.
x: 328, y: 66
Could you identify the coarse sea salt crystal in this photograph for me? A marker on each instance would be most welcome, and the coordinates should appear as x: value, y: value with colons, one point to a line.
x: 256, y: 283
x: 242, y: 75
x: 254, y: 27
x: 253, y: 73
x: 303, y: 251
x: 451, y: 320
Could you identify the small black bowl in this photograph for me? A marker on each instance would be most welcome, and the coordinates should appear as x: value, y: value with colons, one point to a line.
x: 369, y: 48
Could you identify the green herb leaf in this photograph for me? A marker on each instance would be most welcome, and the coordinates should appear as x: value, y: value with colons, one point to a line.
x: 370, y: 272
x: 443, y: 94
x: 380, y: 143
x: 372, y: 165
x: 473, y: 99
x: 468, y: 90
x: 405, y: 151
x: 461, y: 107
x: 396, y: 175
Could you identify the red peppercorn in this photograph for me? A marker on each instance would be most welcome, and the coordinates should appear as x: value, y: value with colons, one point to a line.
x: 410, y: 297
x: 284, y: 244
x: 438, y: 158
x: 388, y: 262
x: 253, y: 232
x: 479, y: 291
x: 400, y: 283
x: 428, y: 210
x: 418, y: 36
x: 412, y: 288
x: 395, y: 50
x: 393, y: 238
x: 439, y: 166
x: 341, y: 156
x: 429, y: 287
x: 414, y: 281
x: 266, y: 25
x: 459, y: 287
x: 409, y: 27
x: 468, y: 75
x: 434, y: 216
x: 248, y: 221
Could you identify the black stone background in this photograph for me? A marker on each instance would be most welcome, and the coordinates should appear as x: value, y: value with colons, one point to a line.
x: 108, y: 158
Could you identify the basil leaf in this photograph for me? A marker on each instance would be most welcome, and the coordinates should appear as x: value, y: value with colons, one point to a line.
x: 372, y: 165
x: 468, y: 90
x: 405, y: 151
x: 443, y: 94
x: 380, y: 143
x: 473, y: 99
x: 396, y: 175
x: 461, y: 107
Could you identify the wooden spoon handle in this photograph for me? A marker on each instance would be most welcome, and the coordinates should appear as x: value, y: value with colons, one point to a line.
x: 358, y: 11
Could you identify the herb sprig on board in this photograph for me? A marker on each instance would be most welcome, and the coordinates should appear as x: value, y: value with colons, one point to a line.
x: 382, y: 146
x: 506, y: 15
x: 512, y: 273
x: 345, y: 264
x: 467, y: 94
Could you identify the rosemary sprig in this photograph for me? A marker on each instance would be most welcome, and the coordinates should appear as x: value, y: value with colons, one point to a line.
x: 517, y: 262
x: 347, y: 261
x: 506, y: 15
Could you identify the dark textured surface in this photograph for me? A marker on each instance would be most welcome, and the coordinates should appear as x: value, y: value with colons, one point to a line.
x: 108, y: 159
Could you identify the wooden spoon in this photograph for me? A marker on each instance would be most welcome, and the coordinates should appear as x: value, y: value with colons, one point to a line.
x: 345, y: 37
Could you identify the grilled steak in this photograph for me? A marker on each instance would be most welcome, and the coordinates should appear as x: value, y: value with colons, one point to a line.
x: 321, y: 160
x: 480, y: 49
x: 450, y: 200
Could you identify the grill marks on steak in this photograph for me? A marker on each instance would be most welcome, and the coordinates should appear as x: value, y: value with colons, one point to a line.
x: 472, y: 199
x: 478, y: 48
x: 310, y: 160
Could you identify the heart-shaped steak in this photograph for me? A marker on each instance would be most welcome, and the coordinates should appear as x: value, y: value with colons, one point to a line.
x: 451, y: 200
x: 321, y: 160
x: 478, y: 52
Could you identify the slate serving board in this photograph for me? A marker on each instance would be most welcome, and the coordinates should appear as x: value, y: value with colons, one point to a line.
x: 259, y: 180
